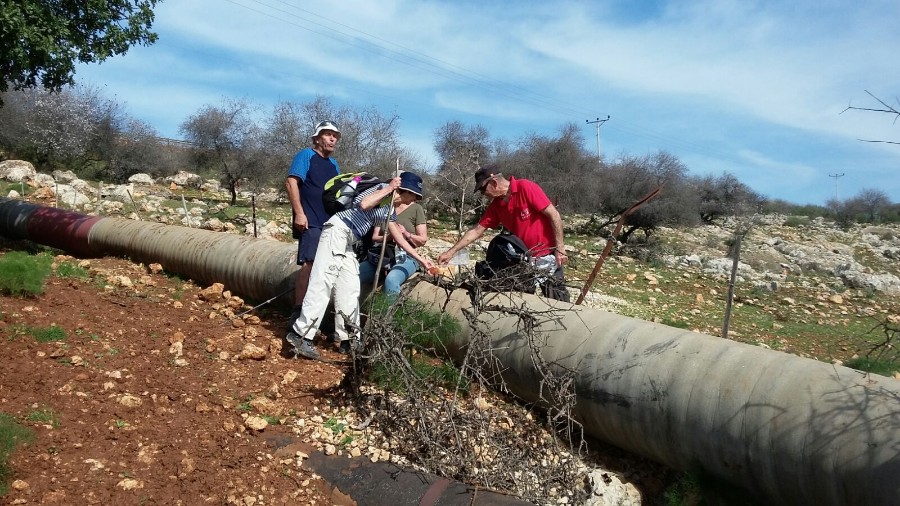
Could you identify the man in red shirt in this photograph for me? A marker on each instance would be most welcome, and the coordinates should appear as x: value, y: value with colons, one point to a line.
x: 523, y: 208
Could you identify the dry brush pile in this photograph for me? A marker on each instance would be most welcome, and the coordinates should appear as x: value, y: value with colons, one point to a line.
x: 459, y: 421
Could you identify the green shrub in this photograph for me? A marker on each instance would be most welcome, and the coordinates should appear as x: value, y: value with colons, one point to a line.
x: 796, y: 221
x: 22, y: 274
x: 11, y: 435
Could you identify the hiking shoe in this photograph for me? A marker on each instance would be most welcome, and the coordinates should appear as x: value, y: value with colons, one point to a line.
x: 307, y: 350
x: 302, y: 347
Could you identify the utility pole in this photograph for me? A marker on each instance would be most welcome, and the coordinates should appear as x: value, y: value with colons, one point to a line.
x: 836, y: 176
x: 598, y: 122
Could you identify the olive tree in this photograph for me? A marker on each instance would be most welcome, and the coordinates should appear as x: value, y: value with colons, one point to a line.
x: 873, y: 202
x: 725, y: 195
x: 630, y: 178
x: 560, y: 164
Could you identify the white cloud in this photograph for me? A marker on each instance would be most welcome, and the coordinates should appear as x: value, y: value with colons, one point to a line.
x: 750, y: 84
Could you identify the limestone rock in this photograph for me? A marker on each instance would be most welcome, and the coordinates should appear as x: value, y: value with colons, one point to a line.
x: 17, y: 171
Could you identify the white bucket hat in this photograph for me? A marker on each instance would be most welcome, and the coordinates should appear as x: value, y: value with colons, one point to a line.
x: 326, y: 125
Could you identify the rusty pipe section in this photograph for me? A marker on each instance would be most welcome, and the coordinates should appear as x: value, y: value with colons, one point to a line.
x: 255, y: 269
x: 796, y: 430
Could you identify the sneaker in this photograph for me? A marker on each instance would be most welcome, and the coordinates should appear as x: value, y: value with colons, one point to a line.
x: 302, y: 347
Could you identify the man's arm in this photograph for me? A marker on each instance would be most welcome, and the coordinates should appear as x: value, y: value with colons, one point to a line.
x: 468, y: 238
x: 293, y: 190
x: 556, y: 222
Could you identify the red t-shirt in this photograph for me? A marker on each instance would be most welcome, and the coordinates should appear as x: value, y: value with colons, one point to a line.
x: 523, y: 216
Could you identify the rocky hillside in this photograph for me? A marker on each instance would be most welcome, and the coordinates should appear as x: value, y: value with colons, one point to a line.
x: 791, y: 270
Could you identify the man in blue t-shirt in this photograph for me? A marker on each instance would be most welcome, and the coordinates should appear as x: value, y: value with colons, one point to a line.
x: 310, y: 170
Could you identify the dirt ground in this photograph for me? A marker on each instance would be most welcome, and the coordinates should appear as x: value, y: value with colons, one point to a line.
x: 155, y: 396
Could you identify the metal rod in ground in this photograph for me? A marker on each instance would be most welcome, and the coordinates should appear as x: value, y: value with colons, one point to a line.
x: 187, y: 218
x: 610, y: 241
x: 386, y: 233
x: 253, y: 208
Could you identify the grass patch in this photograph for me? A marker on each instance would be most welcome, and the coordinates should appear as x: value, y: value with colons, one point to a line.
x: 71, y: 270
x: 47, y: 334
x: 24, y: 275
x: 694, y: 488
x: 426, y: 368
x: 678, y: 324
x: 874, y: 366
x: 417, y: 324
x: 43, y: 415
x: 12, y: 434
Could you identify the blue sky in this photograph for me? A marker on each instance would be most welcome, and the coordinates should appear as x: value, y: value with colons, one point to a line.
x: 755, y: 88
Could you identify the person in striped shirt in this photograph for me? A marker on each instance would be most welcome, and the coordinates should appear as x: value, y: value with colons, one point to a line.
x: 336, y: 268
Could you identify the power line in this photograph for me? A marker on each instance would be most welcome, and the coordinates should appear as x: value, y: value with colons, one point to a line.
x: 413, y: 58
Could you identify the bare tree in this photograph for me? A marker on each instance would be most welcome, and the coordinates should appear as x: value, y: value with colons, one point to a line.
x: 873, y: 202
x: 885, y: 108
x: 228, y: 141
x: 369, y: 139
x: 462, y: 150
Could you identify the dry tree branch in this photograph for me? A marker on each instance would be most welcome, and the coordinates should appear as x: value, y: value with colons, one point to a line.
x: 451, y: 425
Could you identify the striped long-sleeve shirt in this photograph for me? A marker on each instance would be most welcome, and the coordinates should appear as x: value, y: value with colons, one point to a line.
x: 360, y: 221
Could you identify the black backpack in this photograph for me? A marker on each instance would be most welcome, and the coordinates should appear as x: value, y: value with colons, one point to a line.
x: 341, y: 190
x: 506, y: 268
x: 504, y: 253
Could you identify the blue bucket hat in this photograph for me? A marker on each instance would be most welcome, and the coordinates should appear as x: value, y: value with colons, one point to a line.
x: 411, y: 182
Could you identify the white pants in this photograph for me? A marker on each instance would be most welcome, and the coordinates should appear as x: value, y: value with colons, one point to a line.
x: 335, y: 269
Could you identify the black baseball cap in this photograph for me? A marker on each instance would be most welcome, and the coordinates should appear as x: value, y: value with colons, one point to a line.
x: 483, y: 174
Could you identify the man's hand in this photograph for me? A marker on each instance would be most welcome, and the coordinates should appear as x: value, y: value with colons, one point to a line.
x: 445, y: 257
x: 561, y: 257
x: 427, y: 264
x: 301, y: 222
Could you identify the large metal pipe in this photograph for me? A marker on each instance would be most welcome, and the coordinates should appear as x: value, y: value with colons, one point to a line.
x: 797, y: 430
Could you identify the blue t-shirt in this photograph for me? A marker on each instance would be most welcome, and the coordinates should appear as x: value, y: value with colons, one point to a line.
x: 314, y: 171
